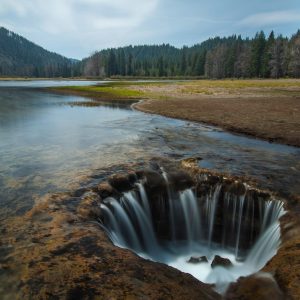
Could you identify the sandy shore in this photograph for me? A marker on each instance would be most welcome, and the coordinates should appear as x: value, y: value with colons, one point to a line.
x: 266, y: 109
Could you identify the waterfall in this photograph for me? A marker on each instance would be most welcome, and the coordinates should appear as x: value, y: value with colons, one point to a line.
x: 191, y: 215
x: 266, y: 247
x: 241, y: 203
x: 170, y: 203
x: 145, y: 200
x: 240, y: 227
x: 211, y: 203
x: 144, y: 223
x: 128, y: 239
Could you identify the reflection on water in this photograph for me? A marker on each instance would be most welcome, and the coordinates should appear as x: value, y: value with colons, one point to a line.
x: 47, y: 144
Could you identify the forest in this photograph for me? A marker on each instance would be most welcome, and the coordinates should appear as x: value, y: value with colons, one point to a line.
x: 229, y: 57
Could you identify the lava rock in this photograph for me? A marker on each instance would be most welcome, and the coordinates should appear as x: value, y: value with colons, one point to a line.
x: 180, y: 180
x: 197, y: 260
x: 221, y: 261
x: 236, y: 187
x: 132, y: 177
x: 122, y: 183
x: 89, y: 206
x: 154, y: 181
x: 105, y: 190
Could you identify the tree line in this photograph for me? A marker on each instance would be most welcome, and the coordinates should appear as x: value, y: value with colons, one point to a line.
x: 229, y: 57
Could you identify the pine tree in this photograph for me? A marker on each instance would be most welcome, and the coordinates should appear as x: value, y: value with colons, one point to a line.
x: 112, y: 63
x: 161, y: 71
x: 265, y: 68
x: 257, y: 53
x: 122, y: 62
x: 183, y: 63
x: 129, y: 65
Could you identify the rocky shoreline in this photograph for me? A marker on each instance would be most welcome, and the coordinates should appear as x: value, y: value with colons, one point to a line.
x: 70, y: 257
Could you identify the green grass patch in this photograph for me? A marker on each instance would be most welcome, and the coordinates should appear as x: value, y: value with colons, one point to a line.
x: 109, y: 92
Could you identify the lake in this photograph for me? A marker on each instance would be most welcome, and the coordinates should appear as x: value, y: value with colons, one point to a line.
x: 49, y: 144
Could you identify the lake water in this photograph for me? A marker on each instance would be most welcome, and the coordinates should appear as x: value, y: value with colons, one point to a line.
x: 48, y: 144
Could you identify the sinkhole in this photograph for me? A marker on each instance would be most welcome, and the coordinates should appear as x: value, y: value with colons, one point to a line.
x: 216, y: 229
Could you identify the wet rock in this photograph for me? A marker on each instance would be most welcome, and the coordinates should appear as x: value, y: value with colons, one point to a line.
x: 120, y: 182
x: 191, y: 162
x: 197, y: 260
x: 4, y: 267
x: 260, y: 286
x: 154, y: 181
x: 180, y: 180
x: 79, y: 192
x: 221, y: 261
x: 105, y: 190
x: 132, y: 177
x: 235, y: 188
x: 89, y: 207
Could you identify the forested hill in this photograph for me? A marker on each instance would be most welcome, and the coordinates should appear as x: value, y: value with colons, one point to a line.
x: 264, y: 57
x: 20, y: 57
x: 260, y: 57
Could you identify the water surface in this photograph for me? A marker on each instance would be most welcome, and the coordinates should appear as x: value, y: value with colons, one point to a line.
x: 47, y: 144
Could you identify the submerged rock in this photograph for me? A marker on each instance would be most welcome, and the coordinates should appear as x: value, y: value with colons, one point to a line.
x: 221, y: 261
x: 197, y: 260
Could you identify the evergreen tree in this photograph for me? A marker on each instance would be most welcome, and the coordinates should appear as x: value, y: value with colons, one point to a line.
x: 112, y: 63
x: 161, y: 71
x: 267, y: 55
x: 122, y: 62
x: 257, y: 54
x: 183, y: 63
x: 129, y: 65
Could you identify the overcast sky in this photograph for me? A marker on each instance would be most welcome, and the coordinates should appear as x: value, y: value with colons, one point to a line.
x: 76, y: 28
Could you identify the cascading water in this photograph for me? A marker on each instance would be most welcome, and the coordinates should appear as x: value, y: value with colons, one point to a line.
x: 236, y: 226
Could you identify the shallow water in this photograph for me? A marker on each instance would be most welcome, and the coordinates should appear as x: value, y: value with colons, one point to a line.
x: 47, y: 144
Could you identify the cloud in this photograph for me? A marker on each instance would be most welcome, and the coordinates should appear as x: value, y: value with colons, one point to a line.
x: 271, y: 18
x: 61, y: 16
x: 80, y: 19
x: 76, y: 28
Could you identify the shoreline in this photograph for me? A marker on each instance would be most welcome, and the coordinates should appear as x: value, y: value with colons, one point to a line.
x: 142, y: 104
x: 270, y: 112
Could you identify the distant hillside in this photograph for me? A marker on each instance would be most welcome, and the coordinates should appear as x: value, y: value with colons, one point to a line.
x: 20, y: 57
x: 227, y: 57
x: 259, y: 57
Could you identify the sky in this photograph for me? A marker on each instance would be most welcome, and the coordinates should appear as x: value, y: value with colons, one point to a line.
x: 77, y: 28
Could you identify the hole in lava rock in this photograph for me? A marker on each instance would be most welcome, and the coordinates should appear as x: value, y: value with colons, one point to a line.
x: 215, y: 229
